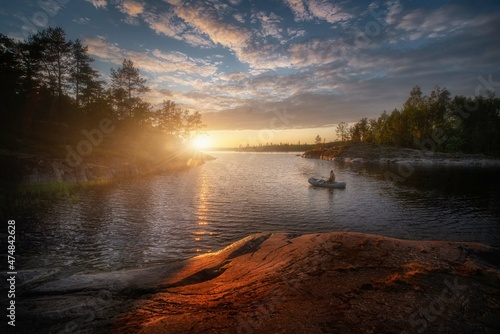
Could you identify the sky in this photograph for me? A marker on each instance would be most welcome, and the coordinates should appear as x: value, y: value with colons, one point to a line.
x: 280, y: 70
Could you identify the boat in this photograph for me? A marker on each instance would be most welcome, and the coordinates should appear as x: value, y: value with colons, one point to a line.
x: 325, y: 184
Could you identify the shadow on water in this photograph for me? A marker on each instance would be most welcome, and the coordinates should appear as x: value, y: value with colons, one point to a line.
x: 477, y: 185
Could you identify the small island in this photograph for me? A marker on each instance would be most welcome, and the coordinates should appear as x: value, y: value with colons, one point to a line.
x: 433, y: 129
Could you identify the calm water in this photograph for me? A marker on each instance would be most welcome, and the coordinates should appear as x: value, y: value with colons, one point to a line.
x: 166, y: 217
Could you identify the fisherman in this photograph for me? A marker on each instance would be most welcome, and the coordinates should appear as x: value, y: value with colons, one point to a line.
x: 331, y: 179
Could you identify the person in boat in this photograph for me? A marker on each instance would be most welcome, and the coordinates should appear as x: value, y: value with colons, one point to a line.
x: 331, y: 179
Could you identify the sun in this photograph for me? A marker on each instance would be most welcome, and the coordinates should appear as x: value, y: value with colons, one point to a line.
x: 201, y: 142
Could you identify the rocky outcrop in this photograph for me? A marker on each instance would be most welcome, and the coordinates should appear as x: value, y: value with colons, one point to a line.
x: 285, y: 283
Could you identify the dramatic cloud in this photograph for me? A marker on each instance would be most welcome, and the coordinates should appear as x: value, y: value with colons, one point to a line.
x: 323, y: 61
x: 205, y: 19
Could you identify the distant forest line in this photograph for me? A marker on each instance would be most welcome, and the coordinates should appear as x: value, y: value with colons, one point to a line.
x: 433, y: 122
x: 50, y: 93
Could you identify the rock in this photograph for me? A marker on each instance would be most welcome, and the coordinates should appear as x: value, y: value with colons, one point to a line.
x: 334, y: 282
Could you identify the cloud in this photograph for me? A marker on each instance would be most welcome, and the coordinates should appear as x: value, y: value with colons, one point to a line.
x: 295, y: 33
x: 81, y: 20
x: 170, y: 25
x: 270, y: 25
x: 155, y: 62
x: 320, y: 80
x: 98, y: 3
x: 440, y: 22
x: 174, y: 2
x: 318, y: 51
x: 205, y: 19
x: 324, y: 10
x: 394, y: 8
x: 319, y: 9
x: 299, y: 10
x: 239, y: 17
x: 131, y: 8
x: 164, y: 23
x: 186, y: 64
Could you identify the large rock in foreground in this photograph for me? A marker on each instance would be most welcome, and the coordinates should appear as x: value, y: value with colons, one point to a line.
x: 327, y: 283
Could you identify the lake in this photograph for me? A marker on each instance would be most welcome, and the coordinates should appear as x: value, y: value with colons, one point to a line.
x: 162, y: 218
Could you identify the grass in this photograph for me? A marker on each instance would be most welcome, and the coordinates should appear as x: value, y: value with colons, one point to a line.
x: 31, y: 196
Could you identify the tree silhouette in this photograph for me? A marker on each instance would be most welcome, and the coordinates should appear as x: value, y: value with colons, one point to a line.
x: 194, y: 125
x: 342, y: 131
x: 55, y: 61
x: 82, y: 75
x: 127, y: 85
x: 318, y: 140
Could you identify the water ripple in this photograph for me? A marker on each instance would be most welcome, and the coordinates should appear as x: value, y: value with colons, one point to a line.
x: 178, y: 215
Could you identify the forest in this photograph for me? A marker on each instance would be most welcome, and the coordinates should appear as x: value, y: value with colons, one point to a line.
x: 438, y: 121
x: 50, y: 93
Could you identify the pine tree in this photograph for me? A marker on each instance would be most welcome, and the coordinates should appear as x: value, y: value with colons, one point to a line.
x: 127, y: 85
x: 83, y: 76
x: 55, y: 61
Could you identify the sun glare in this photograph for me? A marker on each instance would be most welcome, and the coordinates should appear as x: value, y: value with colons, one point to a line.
x: 201, y: 142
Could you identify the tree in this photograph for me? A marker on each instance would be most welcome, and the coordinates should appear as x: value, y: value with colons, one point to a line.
x: 82, y: 75
x: 142, y: 112
x: 342, y: 131
x: 359, y: 132
x: 55, y: 61
x: 438, y: 105
x: 193, y: 124
x: 169, y: 118
x: 11, y: 74
x: 318, y: 140
x: 30, y: 55
x: 127, y: 85
x: 477, y: 125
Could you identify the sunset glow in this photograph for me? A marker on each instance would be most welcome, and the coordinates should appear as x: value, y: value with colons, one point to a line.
x: 202, y: 142
x: 294, y: 66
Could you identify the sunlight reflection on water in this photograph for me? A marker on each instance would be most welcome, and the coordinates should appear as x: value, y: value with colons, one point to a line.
x: 178, y: 215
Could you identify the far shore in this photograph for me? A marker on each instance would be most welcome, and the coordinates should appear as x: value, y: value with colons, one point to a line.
x: 358, y: 153
x: 337, y: 282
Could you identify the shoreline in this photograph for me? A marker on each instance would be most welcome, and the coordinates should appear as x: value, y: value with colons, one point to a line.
x: 361, y: 153
x: 272, y: 282
x: 38, y: 170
